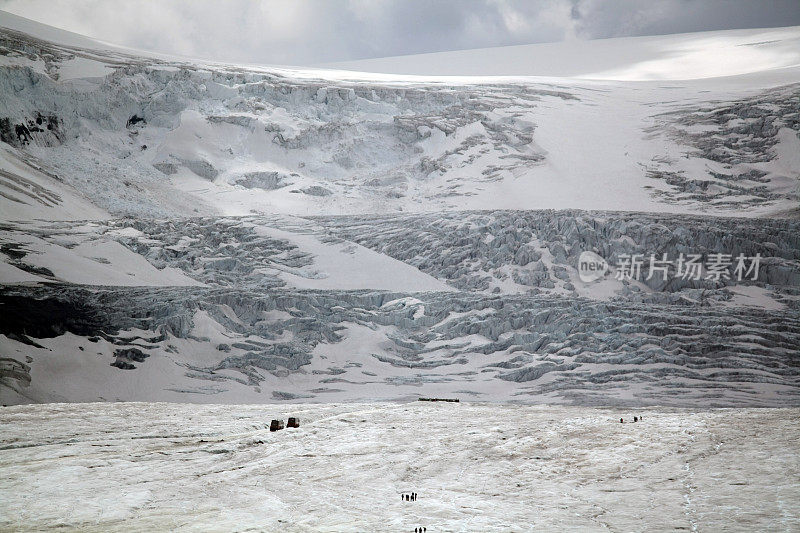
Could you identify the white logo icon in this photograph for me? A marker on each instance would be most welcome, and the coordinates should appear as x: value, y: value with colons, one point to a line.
x: 591, y: 267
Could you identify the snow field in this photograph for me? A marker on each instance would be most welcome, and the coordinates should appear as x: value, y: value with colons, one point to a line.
x: 476, y: 467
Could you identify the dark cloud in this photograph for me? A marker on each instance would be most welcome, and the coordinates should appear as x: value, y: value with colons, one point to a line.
x: 316, y: 31
x: 633, y: 17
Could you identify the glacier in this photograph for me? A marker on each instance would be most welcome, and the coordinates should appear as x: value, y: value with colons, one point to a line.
x: 190, y: 249
x: 184, y: 230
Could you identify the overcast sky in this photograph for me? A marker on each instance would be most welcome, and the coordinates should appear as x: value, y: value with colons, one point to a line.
x: 305, y: 32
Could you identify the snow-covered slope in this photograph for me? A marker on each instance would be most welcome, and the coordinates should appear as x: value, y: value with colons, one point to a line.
x: 185, y: 230
x: 686, y: 56
x: 226, y: 139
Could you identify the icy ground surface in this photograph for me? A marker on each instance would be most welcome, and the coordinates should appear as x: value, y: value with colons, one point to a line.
x: 475, y: 467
